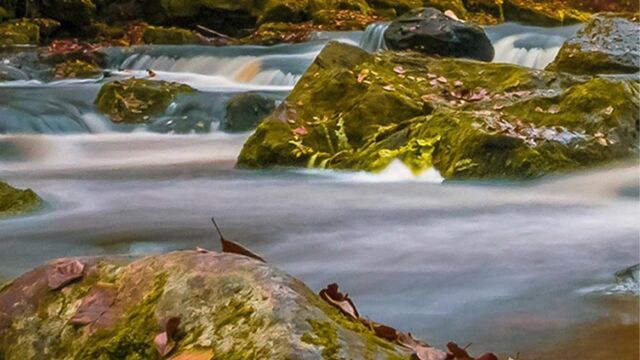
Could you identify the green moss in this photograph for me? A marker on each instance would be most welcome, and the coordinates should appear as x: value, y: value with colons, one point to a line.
x: 365, y: 111
x: 17, y: 202
x: 136, y: 100
x: 325, y: 336
x: 75, y: 69
x: 19, y: 32
x: 171, y: 36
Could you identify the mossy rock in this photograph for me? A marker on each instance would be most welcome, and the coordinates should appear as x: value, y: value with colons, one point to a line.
x: 17, y: 202
x: 608, y: 44
x: 542, y: 13
x: 169, y: 36
x: 245, y: 111
x: 135, y: 101
x: 468, y: 119
x: 443, y: 5
x: 77, y: 69
x: 19, y: 32
x: 229, y: 306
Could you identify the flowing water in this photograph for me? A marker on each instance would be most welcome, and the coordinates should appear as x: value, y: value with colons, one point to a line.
x: 509, y: 267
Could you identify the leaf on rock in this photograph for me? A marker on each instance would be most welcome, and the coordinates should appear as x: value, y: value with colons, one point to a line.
x: 487, y: 356
x: 234, y: 248
x: 300, y: 131
x: 164, y: 341
x: 458, y: 83
x: 194, y: 355
x: 442, y: 80
x: 399, y: 70
x: 608, y: 110
x: 64, y: 272
x: 389, y: 88
x: 430, y: 353
x: 362, y: 75
x: 333, y: 296
x: 553, y: 109
x: 95, y: 304
x: 202, y: 250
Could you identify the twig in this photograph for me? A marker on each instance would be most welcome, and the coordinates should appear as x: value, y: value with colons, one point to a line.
x: 213, y: 32
x: 213, y: 220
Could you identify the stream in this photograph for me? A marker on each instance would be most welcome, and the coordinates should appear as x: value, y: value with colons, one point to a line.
x: 510, y: 267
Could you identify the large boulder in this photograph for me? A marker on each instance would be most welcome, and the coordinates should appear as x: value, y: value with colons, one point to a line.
x: 608, y: 44
x: 185, y: 305
x: 135, y: 101
x: 16, y: 202
x: 76, y: 13
x: 429, y: 31
x: 468, y: 119
x: 245, y: 111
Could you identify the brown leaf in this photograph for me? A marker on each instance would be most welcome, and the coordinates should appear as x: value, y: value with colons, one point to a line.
x: 478, y: 95
x: 487, y: 356
x: 442, y: 80
x: 202, y: 250
x: 399, y: 70
x: 458, y: 83
x: 194, y: 355
x: 234, y: 248
x: 171, y: 326
x: 300, y: 131
x: 95, y: 304
x: 458, y: 352
x: 64, y: 273
x: 163, y: 343
x: 385, y: 332
x: 341, y: 301
x: 553, y: 109
x: 429, y: 353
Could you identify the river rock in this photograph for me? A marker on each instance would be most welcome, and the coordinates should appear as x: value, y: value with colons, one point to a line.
x: 169, y: 36
x: 245, y: 111
x: 135, y: 101
x: 16, y: 202
x: 467, y: 119
x: 19, y: 32
x: 225, y: 306
x: 429, y: 31
x: 607, y: 44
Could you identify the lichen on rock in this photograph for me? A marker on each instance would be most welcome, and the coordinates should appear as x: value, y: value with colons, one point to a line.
x: 134, y: 101
x: 229, y: 306
x: 468, y: 119
x: 17, y: 202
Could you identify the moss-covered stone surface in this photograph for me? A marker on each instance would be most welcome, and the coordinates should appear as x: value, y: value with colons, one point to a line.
x: 134, y: 101
x: 229, y: 306
x: 19, y: 32
x: 608, y: 44
x: 16, y: 201
x: 353, y: 110
x: 169, y: 35
x: 75, y: 69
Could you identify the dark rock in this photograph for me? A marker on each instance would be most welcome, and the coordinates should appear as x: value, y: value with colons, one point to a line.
x: 429, y: 31
x: 245, y: 111
x: 608, y: 44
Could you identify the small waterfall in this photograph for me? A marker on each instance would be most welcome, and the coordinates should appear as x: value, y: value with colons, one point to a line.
x: 373, y: 37
x: 528, y: 46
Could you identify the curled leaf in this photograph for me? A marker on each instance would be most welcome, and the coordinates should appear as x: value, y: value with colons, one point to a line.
x: 164, y: 341
x: 341, y: 301
x: 64, y: 272
x: 234, y: 248
x: 94, y: 305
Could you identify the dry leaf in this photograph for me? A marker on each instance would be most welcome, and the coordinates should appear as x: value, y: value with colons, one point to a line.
x: 194, y: 355
x: 234, y: 248
x: 202, y: 250
x: 300, y: 131
x: 553, y: 109
x: 96, y: 303
x: 608, y: 110
x: 163, y: 343
x: 64, y: 273
x: 389, y: 88
x: 458, y: 83
x: 442, y: 80
x: 341, y: 301
x: 398, y: 70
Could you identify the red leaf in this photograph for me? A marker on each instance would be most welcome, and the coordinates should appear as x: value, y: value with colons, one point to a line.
x: 300, y: 131
x: 341, y: 301
x: 163, y: 344
x: 64, y: 273
x: 96, y: 303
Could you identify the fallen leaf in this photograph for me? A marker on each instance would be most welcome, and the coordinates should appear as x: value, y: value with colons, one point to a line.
x: 194, y: 355
x: 300, y: 131
x: 341, y: 301
x: 442, y: 80
x: 164, y: 341
x: 538, y: 109
x: 487, y: 356
x: 458, y: 83
x: 95, y: 304
x: 398, y: 70
x: 389, y: 88
x: 64, y: 272
x: 553, y: 109
x: 202, y: 250
x: 362, y: 75
x: 234, y: 248
x: 163, y: 344
x: 430, y: 353
x: 608, y: 110
x: 432, y: 76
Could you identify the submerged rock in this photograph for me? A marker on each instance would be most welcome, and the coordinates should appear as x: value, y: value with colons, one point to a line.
x: 16, y: 202
x: 468, y: 119
x: 245, y: 111
x: 429, y: 31
x: 608, y: 44
x: 134, y: 101
x: 225, y: 307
